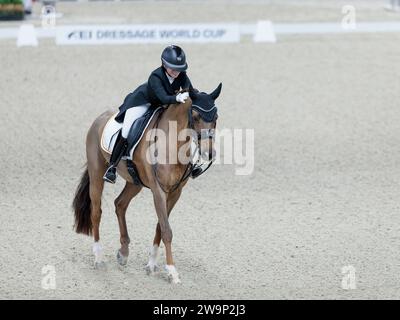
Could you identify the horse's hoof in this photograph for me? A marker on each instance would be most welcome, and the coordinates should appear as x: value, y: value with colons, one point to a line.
x: 101, y: 265
x: 172, y: 274
x: 174, y: 279
x: 151, y: 268
x: 122, y: 260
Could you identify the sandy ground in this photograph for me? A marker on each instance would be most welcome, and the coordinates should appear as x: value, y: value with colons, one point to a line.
x: 324, y: 193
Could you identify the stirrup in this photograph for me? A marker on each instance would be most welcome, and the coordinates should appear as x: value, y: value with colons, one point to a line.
x: 110, y: 180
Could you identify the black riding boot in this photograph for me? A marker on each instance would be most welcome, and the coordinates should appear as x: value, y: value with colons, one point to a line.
x: 196, y: 172
x: 117, y: 153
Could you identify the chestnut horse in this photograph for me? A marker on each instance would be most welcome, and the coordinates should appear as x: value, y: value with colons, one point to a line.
x: 165, y: 180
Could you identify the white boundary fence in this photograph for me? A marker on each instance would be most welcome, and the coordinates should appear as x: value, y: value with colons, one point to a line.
x: 262, y: 31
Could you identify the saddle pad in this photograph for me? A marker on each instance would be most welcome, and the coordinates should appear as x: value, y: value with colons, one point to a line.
x: 110, y: 133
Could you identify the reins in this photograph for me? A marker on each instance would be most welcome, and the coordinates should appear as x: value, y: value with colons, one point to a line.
x: 189, y: 167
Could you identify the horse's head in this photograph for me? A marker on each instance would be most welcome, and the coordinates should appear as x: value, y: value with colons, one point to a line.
x: 204, y: 119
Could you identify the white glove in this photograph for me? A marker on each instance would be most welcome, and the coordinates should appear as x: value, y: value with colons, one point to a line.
x: 181, y: 97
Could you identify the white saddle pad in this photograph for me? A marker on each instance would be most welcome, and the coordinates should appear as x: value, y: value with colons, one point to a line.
x: 110, y: 133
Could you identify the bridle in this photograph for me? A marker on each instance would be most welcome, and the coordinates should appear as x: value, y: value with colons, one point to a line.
x: 202, y: 135
x: 190, y: 167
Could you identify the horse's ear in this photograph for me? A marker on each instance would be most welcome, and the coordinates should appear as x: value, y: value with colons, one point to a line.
x: 216, y: 92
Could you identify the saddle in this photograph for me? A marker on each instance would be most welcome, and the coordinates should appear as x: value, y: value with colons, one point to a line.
x: 139, y: 126
x: 137, y: 130
x: 112, y: 129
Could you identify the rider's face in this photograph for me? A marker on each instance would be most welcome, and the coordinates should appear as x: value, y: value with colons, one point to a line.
x: 172, y: 73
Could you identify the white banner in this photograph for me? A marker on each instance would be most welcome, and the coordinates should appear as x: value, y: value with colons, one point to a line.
x: 121, y: 34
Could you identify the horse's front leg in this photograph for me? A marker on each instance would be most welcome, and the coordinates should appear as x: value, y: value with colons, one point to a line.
x: 152, y: 265
x: 161, y: 204
x: 121, y: 205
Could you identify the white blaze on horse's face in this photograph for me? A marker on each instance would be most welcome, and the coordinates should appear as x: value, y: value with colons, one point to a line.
x: 204, y: 120
x: 206, y: 136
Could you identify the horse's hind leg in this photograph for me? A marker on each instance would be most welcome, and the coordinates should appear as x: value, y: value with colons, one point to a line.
x: 121, y: 205
x: 95, y: 190
x: 96, y: 168
x: 152, y: 265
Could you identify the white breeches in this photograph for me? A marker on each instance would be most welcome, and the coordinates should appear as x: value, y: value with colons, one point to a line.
x: 130, y: 116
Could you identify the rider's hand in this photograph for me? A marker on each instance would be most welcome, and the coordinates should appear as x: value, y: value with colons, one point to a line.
x: 181, y: 97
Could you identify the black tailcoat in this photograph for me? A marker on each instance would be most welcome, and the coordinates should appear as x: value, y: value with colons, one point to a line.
x: 156, y: 91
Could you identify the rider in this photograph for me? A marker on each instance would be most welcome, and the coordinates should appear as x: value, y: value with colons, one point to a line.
x: 160, y: 89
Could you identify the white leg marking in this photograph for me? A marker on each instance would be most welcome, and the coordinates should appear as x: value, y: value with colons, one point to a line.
x: 98, y: 255
x: 152, y: 266
x: 172, y: 273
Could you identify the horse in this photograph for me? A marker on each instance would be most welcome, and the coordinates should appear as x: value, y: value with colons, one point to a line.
x: 165, y: 179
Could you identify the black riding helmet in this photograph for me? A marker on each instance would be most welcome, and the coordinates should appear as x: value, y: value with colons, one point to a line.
x: 174, y: 58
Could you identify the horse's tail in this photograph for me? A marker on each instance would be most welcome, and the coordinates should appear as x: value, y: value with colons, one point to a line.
x: 81, y: 206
